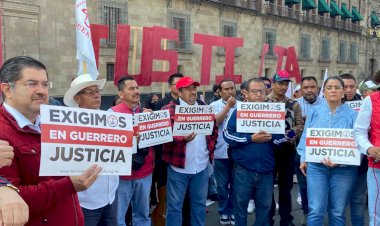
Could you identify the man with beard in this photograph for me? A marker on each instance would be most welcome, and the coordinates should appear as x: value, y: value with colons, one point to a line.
x: 310, y: 98
x: 85, y: 92
x: 222, y: 163
x: 285, y: 156
x: 134, y: 189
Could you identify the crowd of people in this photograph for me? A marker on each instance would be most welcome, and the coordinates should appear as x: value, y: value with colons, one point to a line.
x: 174, y: 177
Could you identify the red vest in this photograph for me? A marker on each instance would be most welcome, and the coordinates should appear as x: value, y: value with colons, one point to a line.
x: 149, y: 159
x: 374, y: 133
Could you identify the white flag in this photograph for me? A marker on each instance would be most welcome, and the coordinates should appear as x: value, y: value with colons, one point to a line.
x: 85, y: 50
x: 323, y: 83
x: 289, y: 92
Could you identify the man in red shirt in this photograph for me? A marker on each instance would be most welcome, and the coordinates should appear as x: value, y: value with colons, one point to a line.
x: 51, y: 200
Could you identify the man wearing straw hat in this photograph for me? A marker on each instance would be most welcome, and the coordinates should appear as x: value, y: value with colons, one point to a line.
x: 98, y: 203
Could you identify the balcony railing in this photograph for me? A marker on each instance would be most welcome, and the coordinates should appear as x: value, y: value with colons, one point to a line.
x: 309, y: 17
x: 240, y: 4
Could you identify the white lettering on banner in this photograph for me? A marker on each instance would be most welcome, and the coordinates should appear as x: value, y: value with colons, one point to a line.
x: 154, y: 128
x: 337, y: 144
x: 253, y: 117
x: 198, y: 119
x: 73, y: 139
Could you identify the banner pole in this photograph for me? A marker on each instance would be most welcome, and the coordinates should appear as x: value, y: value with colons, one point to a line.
x: 164, y: 69
x: 134, y: 53
x: 84, y: 67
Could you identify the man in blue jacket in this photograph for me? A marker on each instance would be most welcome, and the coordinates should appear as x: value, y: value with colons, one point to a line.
x: 254, y: 163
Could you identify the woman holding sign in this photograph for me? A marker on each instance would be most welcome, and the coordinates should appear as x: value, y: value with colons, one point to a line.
x: 329, y: 184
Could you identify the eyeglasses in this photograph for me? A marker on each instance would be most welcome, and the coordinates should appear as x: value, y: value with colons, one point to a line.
x: 329, y: 88
x: 90, y: 92
x: 32, y: 84
x: 257, y: 91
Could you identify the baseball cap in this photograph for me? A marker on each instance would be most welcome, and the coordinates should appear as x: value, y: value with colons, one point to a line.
x: 185, y: 82
x: 364, y: 86
x: 280, y: 76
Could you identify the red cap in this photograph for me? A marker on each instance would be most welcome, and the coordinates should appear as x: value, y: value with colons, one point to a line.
x: 185, y: 82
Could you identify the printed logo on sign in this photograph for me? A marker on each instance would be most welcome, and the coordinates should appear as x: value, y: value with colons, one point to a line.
x: 112, y: 121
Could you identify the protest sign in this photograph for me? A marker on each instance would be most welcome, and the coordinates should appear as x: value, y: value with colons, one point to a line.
x: 355, y: 105
x: 337, y: 144
x: 73, y: 139
x: 253, y: 117
x: 154, y: 128
x: 196, y: 118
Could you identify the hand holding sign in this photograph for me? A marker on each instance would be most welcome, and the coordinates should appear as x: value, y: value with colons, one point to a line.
x: 190, y: 137
x: 261, y: 137
x: 303, y: 168
x: 86, y: 179
x: 327, y: 162
x: 6, y: 153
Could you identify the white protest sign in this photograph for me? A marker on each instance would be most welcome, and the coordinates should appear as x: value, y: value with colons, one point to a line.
x: 196, y: 118
x: 253, y: 117
x: 337, y: 144
x: 154, y: 128
x: 73, y: 139
x: 355, y: 105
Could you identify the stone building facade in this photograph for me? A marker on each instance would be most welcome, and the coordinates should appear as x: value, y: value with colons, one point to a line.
x: 45, y: 29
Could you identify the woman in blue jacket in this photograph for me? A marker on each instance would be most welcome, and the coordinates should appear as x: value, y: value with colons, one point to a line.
x: 328, y: 184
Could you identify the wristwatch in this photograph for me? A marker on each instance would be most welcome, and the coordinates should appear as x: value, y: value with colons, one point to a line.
x: 5, y: 183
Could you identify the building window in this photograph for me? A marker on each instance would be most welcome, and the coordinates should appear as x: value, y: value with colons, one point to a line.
x: 354, y: 53
x: 112, y: 14
x: 110, y: 71
x: 227, y: 29
x: 181, y: 22
x: 305, y: 47
x: 342, y: 51
x: 180, y: 69
x: 270, y: 38
x: 267, y: 72
x: 325, y: 49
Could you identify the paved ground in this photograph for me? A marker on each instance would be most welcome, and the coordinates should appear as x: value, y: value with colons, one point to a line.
x: 212, y: 218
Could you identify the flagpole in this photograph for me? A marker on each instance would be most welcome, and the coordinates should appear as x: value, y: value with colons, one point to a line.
x: 164, y: 69
x: 84, y: 67
x: 134, y: 53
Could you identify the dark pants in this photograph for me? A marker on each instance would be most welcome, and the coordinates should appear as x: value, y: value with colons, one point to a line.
x: 301, y: 184
x: 104, y: 216
x: 284, y: 168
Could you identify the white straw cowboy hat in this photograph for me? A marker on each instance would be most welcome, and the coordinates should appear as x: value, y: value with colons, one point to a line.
x: 78, y: 84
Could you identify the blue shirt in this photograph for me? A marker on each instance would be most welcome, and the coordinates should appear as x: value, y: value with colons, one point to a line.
x: 305, y: 106
x: 322, y: 117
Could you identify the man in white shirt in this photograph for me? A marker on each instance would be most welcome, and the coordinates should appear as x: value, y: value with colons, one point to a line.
x: 222, y: 163
x: 310, y: 98
x: 98, y: 203
x: 366, y: 133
